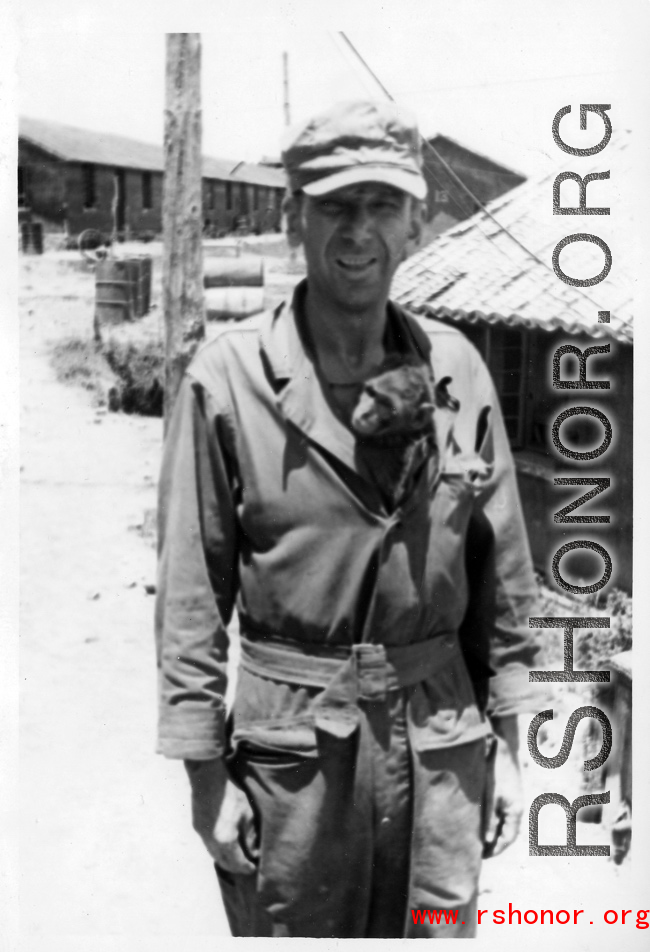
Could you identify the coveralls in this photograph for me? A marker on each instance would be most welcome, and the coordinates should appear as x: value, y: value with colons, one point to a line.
x: 368, y: 637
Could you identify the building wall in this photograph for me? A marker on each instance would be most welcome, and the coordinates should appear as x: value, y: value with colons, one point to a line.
x: 523, y: 375
x: 485, y: 179
x: 44, y: 182
x: 215, y: 216
x: 99, y: 216
x: 55, y: 191
x: 137, y: 220
x: 259, y: 204
x: 541, y: 499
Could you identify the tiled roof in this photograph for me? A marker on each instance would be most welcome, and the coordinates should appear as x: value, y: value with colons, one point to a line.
x: 260, y: 175
x: 81, y: 145
x: 247, y: 172
x: 476, y: 272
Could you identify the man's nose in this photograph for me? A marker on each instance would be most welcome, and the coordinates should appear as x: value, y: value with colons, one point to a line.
x: 358, y: 223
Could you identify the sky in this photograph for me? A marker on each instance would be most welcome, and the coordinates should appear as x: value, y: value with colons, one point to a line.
x: 489, y: 73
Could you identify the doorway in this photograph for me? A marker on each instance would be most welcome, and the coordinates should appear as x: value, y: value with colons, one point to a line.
x: 119, y: 202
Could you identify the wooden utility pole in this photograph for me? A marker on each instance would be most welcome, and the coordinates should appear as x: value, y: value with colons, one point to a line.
x: 182, y: 212
x: 285, y: 88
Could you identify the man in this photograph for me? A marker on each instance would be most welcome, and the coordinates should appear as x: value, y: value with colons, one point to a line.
x: 353, y: 781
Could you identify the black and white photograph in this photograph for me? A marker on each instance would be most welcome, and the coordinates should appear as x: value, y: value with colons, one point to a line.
x: 322, y: 477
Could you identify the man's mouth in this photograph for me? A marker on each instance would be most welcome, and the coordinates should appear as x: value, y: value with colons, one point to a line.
x: 355, y: 263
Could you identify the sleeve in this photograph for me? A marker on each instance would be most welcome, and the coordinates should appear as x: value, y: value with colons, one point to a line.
x: 500, y: 646
x: 197, y: 576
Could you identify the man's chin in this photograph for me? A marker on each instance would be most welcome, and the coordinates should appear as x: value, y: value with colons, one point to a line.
x: 360, y: 297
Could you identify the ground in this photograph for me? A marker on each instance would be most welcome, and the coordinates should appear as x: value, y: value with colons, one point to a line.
x: 107, y: 845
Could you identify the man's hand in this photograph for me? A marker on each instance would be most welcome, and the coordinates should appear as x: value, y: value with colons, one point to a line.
x: 221, y: 815
x: 507, y: 807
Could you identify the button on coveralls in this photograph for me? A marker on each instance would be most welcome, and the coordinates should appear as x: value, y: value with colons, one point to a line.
x: 372, y: 643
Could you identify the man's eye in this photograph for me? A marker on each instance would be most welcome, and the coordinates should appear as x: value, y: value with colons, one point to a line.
x: 330, y: 208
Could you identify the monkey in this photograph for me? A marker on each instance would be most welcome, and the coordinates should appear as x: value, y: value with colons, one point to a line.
x: 395, y: 424
x: 400, y: 399
x: 397, y: 400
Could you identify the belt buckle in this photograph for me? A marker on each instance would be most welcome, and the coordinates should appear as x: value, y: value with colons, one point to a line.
x: 371, y: 671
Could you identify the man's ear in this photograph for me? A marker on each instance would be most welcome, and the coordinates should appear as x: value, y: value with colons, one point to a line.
x: 291, y: 209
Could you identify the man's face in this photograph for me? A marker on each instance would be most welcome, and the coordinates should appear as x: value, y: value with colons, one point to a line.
x: 354, y: 238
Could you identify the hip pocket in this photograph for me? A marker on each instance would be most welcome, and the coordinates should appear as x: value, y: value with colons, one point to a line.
x: 442, y: 709
x: 274, y: 743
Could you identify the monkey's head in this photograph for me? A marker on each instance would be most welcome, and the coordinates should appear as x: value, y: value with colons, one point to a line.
x: 398, y: 400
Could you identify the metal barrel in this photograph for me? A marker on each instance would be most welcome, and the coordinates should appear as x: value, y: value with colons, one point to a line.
x: 114, y: 299
x: 31, y: 237
x: 222, y: 304
x: 244, y: 271
x: 37, y: 237
x: 134, y: 270
x: 146, y: 269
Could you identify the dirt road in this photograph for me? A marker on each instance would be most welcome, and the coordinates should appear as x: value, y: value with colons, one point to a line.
x: 107, y: 847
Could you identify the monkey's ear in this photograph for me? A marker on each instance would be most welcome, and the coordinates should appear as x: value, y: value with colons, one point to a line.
x: 443, y: 397
x: 424, y: 412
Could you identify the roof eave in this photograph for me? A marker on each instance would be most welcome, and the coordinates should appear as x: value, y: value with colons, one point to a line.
x: 48, y: 149
x: 623, y: 334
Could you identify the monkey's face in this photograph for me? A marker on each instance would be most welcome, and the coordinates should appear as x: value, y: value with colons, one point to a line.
x: 397, y: 401
x: 373, y: 414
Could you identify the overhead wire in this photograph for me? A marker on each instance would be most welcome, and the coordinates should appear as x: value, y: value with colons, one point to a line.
x: 367, y: 67
x: 361, y: 76
x: 465, y: 188
x: 434, y: 172
x: 477, y: 204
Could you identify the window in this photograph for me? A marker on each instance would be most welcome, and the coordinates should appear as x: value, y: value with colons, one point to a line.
x: 228, y: 196
x: 506, y: 362
x: 504, y: 351
x: 22, y: 198
x: 256, y: 198
x: 243, y: 199
x: 89, y: 186
x: 147, y: 202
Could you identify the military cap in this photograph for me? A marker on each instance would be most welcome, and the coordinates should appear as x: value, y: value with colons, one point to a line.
x: 355, y: 142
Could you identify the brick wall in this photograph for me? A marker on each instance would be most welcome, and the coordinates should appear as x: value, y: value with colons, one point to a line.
x: 43, y: 182
x: 57, y: 191
x: 484, y: 178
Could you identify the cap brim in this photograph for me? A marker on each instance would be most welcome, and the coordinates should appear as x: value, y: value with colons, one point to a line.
x: 411, y: 182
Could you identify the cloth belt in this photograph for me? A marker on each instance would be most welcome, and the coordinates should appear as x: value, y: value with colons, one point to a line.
x: 364, y: 672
